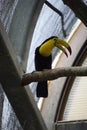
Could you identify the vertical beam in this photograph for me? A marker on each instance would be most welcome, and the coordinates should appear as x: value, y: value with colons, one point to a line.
x: 10, y: 78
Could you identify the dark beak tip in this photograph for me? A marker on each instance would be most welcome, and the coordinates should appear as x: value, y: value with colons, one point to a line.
x: 70, y: 51
x: 66, y: 54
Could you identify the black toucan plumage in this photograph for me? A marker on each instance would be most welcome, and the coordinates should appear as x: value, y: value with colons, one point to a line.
x: 42, y: 63
x: 43, y: 60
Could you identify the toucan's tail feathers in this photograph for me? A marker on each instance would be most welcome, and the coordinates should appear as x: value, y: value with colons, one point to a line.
x: 42, y: 89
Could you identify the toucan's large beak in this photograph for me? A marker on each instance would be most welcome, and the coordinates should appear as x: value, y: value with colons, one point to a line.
x: 61, y: 44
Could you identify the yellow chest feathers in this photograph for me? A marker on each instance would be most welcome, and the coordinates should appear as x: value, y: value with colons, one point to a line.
x: 46, y: 48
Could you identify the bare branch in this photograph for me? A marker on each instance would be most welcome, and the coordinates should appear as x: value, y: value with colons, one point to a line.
x: 53, y: 74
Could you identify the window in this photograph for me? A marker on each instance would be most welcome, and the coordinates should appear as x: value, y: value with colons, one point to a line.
x: 76, y: 106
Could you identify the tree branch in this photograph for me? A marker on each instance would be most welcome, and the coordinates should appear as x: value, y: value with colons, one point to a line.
x: 53, y: 74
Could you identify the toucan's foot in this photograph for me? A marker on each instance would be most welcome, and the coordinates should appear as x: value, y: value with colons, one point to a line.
x: 45, y: 69
x: 33, y: 71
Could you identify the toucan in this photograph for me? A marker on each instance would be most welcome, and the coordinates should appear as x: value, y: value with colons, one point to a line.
x: 43, y: 60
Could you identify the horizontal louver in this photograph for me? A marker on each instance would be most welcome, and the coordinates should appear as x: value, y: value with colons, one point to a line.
x: 76, y: 107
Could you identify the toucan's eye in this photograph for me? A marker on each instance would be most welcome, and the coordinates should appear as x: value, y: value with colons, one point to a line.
x: 55, y: 41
